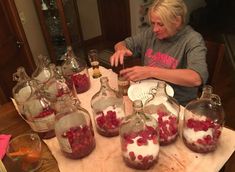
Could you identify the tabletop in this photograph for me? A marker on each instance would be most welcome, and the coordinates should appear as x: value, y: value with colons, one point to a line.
x: 107, y: 154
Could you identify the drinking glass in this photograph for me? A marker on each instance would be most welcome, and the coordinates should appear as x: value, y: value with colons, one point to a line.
x: 25, y: 152
x: 93, y: 58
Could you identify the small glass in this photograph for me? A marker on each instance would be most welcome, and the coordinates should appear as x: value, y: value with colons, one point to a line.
x: 93, y: 58
x: 25, y: 151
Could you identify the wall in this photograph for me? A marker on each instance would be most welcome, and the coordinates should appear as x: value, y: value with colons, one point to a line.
x: 32, y: 28
x: 134, y: 12
x: 89, y: 17
x: 192, y: 5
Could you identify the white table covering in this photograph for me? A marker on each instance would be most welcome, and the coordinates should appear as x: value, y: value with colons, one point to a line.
x: 106, y: 157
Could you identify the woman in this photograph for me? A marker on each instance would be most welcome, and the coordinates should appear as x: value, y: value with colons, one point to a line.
x: 170, y: 51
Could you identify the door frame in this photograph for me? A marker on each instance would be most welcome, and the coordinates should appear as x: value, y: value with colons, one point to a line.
x: 13, y: 16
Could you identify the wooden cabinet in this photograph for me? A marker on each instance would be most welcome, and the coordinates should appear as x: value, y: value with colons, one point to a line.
x: 60, y: 24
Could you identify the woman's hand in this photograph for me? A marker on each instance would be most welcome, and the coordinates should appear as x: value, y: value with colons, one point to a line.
x: 118, y: 56
x: 136, y: 73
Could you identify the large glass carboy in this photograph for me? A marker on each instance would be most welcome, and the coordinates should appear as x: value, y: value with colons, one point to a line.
x: 203, y: 122
x: 139, y: 138
x: 165, y: 110
x: 74, y: 129
x: 24, y: 88
x: 108, y: 109
x: 75, y: 72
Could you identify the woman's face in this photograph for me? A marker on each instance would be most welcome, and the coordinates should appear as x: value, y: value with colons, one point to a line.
x: 159, y: 28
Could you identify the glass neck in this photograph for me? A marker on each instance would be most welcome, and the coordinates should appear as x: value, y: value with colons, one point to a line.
x: 161, y: 89
x: 206, y: 92
x: 20, y: 75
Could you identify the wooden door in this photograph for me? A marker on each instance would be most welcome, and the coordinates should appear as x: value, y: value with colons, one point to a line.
x: 14, y: 49
x: 115, y: 19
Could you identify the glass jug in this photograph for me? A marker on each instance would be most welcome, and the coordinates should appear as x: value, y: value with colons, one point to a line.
x: 108, y: 109
x: 165, y: 110
x: 75, y: 72
x: 56, y: 86
x: 74, y: 129
x: 40, y: 115
x: 24, y: 88
x: 42, y: 73
x: 203, y: 122
x: 139, y: 138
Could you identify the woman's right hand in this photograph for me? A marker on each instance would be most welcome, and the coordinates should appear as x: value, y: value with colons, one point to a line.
x: 120, y: 53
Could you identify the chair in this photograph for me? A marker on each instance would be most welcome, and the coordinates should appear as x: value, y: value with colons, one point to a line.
x: 214, y: 59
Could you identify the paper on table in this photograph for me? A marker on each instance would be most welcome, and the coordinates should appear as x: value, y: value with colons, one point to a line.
x: 4, y: 140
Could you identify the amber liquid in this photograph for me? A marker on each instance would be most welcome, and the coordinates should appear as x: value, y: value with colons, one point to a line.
x: 96, y: 70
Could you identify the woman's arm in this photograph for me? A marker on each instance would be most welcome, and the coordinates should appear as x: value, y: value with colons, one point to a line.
x: 183, y: 77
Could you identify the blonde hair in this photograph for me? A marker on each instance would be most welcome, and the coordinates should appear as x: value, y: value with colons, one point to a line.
x: 168, y: 11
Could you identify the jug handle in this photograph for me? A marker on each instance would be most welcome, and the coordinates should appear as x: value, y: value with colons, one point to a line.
x: 216, y: 99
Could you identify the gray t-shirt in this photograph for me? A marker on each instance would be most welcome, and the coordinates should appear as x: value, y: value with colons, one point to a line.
x: 185, y: 50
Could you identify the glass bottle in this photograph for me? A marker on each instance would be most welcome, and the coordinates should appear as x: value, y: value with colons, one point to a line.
x: 203, y: 122
x: 75, y: 72
x: 139, y: 138
x: 42, y: 73
x: 108, y: 109
x: 74, y: 129
x: 123, y: 85
x: 165, y: 110
x: 56, y: 86
x: 23, y: 89
x: 94, y: 61
x: 40, y: 114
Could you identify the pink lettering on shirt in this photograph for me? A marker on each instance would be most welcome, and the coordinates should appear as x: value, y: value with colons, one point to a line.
x: 160, y: 60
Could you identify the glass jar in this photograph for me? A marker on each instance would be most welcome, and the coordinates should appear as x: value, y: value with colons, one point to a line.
x: 203, y: 122
x: 56, y: 86
x: 74, y: 129
x: 75, y: 72
x: 165, y: 110
x: 42, y: 73
x: 40, y: 115
x: 108, y: 109
x: 123, y: 85
x: 139, y: 138
x: 24, y: 88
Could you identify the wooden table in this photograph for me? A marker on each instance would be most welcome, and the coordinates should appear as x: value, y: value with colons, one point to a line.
x: 106, y: 156
x: 12, y: 123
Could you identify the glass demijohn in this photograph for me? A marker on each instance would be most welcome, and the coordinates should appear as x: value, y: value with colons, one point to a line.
x: 24, y: 88
x: 56, y: 86
x: 108, y: 109
x: 75, y: 72
x: 40, y: 115
x: 165, y: 110
x: 42, y: 72
x: 139, y: 138
x: 74, y: 129
x: 203, y: 122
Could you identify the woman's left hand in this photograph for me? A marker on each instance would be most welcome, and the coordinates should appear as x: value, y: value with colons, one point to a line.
x: 136, y: 73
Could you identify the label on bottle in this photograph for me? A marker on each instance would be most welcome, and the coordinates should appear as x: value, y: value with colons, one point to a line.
x: 43, y: 124
x: 64, y: 144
